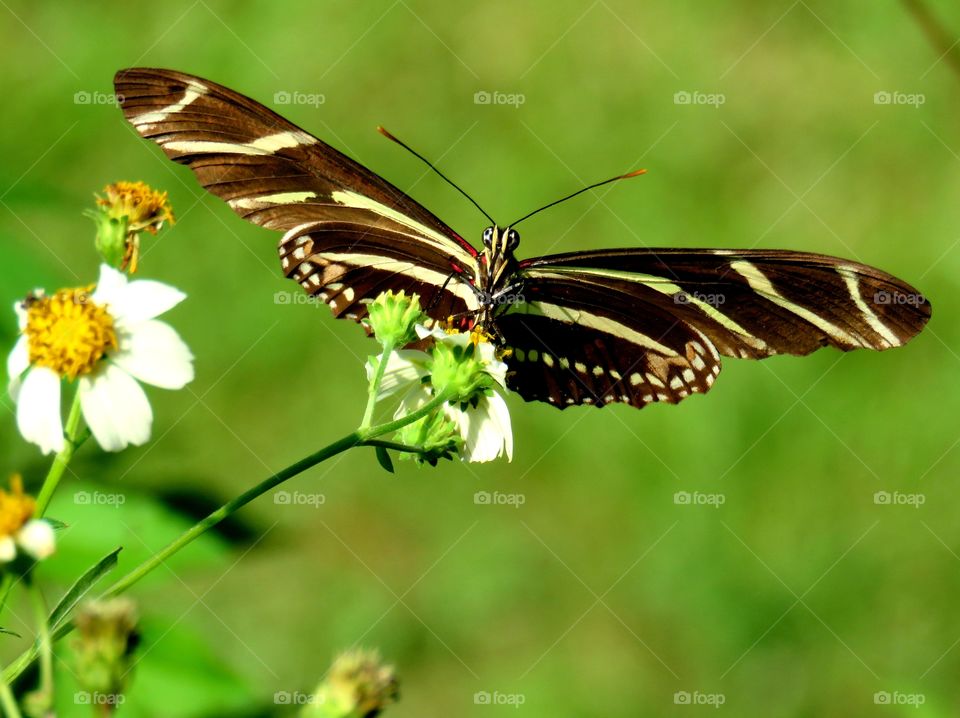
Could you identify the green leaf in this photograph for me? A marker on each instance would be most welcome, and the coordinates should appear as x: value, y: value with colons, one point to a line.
x: 383, y: 458
x: 81, y: 587
x: 8, y: 632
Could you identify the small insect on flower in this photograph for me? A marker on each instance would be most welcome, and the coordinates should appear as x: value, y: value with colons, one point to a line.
x: 106, y: 338
x: 128, y: 209
x: 18, y: 528
x: 467, y: 366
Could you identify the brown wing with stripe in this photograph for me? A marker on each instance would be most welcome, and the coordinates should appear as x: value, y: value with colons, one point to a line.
x: 349, y: 234
x: 347, y: 264
x: 575, y: 343
x: 756, y: 303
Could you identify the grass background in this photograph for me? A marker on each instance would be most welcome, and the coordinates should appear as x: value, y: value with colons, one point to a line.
x: 599, y: 595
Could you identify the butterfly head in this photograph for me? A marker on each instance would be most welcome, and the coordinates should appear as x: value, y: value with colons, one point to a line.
x: 500, y: 241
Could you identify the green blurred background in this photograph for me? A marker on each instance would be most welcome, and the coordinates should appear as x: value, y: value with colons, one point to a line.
x: 600, y: 595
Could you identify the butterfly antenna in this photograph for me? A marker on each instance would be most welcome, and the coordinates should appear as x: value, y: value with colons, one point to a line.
x: 429, y: 164
x: 635, y: 173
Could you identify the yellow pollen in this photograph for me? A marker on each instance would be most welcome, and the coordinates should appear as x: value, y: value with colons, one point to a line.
x: 144, y: 208
x: 68, y: 332
x: 16, y: 508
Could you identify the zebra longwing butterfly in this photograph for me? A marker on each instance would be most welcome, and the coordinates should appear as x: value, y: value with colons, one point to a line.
x: 623, y: 325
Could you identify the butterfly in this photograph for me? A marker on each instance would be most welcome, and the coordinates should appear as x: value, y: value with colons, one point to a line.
x: 633, y: 326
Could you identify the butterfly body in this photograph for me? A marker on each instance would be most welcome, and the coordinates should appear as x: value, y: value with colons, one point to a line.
x: 634, y: 325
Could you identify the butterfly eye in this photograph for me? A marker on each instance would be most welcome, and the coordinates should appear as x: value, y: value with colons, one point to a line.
x: 487, y: 236
x: 513, y: 239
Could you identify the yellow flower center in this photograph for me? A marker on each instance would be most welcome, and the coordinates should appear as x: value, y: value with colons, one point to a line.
x: 68, y: 332
x: 16, y: 508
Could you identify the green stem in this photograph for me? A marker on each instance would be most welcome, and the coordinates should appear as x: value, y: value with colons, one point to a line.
x: 62, y: 459
x: 375, y: 382
x: 8, y: 702
x: 395, y: 446
x: 357, y: 438
x: 46, y: 646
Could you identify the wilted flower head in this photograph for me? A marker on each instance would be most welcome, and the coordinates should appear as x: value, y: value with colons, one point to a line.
x: 18, y: 528
x: 128, y: 209
x: 103, y: 649
x: 358, y: 685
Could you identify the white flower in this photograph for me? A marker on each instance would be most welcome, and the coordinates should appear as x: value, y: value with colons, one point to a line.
x: 484, y: 423
x: 37, y: 539
x: 17, y: 527
x: 107, y: 340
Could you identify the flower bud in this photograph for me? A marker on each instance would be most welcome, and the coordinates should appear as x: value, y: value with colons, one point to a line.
x: 103, y: 649
x: 394, y: 317
x: 358, y: 685
x: 435, y: 434
x: 128, y: 209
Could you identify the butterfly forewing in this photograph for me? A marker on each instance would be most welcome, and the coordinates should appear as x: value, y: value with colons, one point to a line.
x: 272, y: 173
x: 756, y: 303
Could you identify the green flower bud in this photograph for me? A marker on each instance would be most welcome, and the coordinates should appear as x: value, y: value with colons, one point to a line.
x: 394, y: 317
x: 107, y: 637
x: 458, y: 370
x: 111, y: 240
x: 437, y: 435
x: 358, y: 685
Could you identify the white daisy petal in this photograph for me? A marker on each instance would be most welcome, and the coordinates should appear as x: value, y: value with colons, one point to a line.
x: 403, y: 367
x: 136, y: 301
x: 8, y: 549
x: 115, y: 408
x: 154, y: 353
x: 17, y: 363
x: 500, y: 417
x: 110, y: 286
x: 37, y: 539
x: 38, y: 410
x: 412, y: 400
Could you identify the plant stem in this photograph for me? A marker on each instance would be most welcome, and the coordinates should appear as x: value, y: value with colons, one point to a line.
x: 9, y: 703
x: 62, y: 459
x: 374, y: 387
x: 46, y: 647
x: 358, y: 438
x: 937, y: 34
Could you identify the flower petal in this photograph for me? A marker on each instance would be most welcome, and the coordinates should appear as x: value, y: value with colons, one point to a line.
x: 154, y: 353
x: 485, y: 429
x: 38, y: 410
x: 17, y: 363
x: 116, y: 409
x: 136, y: 301
x: 403, y: 367
x: 110, y: 286
x: 8, y: 549
x: 37, y: 539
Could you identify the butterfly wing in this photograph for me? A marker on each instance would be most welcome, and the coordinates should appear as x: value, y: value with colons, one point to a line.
x: 625, y: 325
x: 348, y: 232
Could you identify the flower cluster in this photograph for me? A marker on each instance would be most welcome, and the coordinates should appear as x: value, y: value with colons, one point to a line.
x: 465, y: 367
x: 128, y: 209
